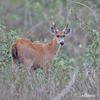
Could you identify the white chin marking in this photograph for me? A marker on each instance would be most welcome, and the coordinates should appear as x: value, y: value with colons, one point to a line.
x: 60, y: 45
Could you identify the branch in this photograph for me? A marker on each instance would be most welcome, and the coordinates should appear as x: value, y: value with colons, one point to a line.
x: 94, y: 14
x: 36, y: 26
x: 68, y: 87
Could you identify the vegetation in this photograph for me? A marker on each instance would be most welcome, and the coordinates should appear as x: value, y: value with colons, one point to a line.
x: 75, y: 73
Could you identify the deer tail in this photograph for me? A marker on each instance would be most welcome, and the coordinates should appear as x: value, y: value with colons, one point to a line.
x: 14, y: 52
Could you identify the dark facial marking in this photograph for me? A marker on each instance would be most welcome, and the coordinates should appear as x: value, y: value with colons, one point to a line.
x: 61, y: 36
x: 62, y: 43
x: 58, y: 36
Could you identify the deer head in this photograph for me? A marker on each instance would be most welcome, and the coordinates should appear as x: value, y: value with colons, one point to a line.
x: 59, y: 35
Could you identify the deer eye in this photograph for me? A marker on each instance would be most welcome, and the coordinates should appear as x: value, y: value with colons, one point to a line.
x: 58, y: 36
x: 63, y: 35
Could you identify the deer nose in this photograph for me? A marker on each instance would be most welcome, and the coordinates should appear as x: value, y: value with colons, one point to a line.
x: 62, y: 43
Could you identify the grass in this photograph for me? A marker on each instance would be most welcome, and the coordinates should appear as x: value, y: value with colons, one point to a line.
x: 20, y: 85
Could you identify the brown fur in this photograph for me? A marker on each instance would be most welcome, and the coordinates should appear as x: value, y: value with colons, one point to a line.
x: 34, y: 55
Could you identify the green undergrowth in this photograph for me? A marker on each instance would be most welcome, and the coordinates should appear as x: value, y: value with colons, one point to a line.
x: 61, y: 72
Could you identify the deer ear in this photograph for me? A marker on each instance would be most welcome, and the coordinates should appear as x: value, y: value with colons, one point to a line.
x: 68, y: 31
x: 52, y: 30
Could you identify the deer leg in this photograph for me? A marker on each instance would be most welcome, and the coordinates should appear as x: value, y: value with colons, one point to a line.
x: 46, y: 72
x: 15, y: 64
x: 34, y: 74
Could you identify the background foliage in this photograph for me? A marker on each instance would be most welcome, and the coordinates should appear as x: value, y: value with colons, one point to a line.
x: 75, y: 73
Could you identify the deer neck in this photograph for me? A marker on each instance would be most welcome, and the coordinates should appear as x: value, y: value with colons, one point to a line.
x: 53, y: 46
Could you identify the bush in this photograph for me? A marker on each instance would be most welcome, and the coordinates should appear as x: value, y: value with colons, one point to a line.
x: 23, y: 85
x: 6, y: 38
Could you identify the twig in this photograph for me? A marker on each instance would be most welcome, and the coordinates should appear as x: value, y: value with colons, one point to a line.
x: 94, y: 14
x: 25, y: 20
x: 30, y: 17
x: 35, y: 26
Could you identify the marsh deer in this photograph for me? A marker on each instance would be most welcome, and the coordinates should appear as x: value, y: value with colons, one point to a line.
x: 33, y: 55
